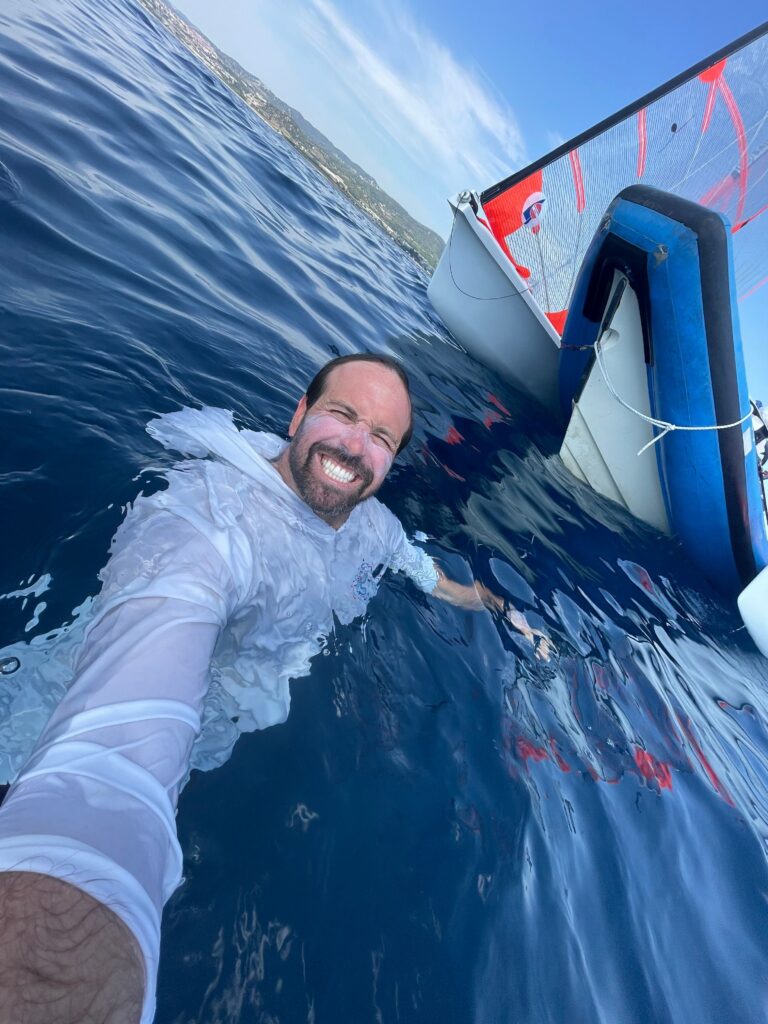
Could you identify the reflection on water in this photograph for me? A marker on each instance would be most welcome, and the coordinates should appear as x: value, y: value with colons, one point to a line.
x: 445, y: 829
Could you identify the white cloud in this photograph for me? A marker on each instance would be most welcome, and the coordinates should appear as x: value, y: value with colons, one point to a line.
x: 444, y: 116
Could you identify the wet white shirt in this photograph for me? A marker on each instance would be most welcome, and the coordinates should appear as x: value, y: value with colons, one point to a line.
x: 228, y: 575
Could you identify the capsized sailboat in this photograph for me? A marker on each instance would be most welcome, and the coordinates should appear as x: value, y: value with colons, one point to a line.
x: 695, y: 469
x: 604, y: 280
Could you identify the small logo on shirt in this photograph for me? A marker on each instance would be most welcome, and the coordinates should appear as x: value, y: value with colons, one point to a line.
x: 364, y: 585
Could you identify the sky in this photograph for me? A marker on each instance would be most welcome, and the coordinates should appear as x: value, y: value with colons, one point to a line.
x: 431, y: 97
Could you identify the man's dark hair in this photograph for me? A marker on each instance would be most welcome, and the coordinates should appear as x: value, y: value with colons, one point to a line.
x: 317, y: 384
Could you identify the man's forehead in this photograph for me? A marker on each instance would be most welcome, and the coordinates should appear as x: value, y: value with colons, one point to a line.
x: 366, y: 382
x: 371, y: 376
x: 372, y: 390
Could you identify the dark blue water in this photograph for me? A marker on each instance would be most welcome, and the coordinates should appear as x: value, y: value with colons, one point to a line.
x: 444, y: 830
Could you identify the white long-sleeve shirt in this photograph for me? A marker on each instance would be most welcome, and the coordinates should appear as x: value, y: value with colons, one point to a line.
x: 225, y: 574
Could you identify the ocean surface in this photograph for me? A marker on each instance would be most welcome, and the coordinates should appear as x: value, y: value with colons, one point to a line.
x: 444, y: 830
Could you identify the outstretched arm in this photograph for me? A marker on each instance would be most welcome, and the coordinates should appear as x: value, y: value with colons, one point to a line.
x: 88, y: 851
x: 476, y: 596
x: 429, y: 577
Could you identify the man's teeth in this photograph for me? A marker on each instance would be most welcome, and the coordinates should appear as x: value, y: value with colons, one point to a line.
x: 335, y: 471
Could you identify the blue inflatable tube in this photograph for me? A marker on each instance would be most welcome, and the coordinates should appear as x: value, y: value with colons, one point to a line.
x: 677, y: 258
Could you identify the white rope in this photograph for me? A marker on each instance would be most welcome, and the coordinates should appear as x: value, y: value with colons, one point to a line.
x: 663, y: 425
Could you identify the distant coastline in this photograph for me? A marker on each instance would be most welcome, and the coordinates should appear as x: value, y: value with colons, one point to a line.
x: 420, y: 242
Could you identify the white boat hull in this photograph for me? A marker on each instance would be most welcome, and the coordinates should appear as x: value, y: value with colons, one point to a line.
x: 486, y: 306
x: 603, y: 437
x: 753, y: 606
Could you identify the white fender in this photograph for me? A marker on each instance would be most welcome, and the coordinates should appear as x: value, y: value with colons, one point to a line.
x: 753, y: 605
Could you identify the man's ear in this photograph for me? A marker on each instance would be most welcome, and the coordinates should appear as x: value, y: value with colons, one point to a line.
x: 298, y: 416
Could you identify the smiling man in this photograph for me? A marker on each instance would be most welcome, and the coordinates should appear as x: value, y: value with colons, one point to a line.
x: 243, y: 562
x: 355, y: 417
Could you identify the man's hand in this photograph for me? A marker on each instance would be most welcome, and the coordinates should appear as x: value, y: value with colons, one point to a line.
x: 542, y: 645
x: 477, y: 596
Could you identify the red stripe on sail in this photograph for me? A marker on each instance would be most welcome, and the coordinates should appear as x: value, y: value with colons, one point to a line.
x: 748, y: 220
x: 753, y: 289
x: 741, y: 139
x: 642, y: 142
x: 578, y: 180
x: 720, y: 194
x: 711, y: 97
x: 711, y: 77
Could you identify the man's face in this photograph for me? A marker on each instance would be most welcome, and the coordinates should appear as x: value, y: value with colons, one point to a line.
x: 343, y: 446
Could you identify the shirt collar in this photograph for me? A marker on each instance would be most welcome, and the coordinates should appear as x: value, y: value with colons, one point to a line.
x: 212, y: 432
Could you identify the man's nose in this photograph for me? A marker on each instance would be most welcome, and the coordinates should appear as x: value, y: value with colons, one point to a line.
x: 356, y: 441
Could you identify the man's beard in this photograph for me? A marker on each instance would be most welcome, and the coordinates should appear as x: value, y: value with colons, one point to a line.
x: 324, y: 499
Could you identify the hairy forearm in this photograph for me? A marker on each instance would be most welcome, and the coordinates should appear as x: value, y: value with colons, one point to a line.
x: 65, y: 958
x: 474, y: 597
